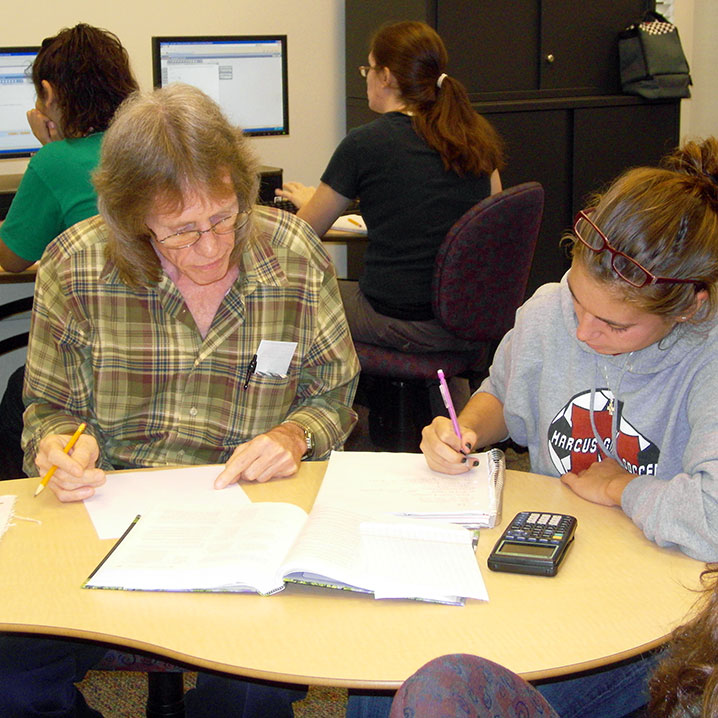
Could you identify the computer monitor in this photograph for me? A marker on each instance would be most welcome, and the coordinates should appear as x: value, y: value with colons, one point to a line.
x: 17, y: 96
x: 246, y: 75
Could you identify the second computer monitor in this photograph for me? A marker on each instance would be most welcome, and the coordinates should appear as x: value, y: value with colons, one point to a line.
x: 17, y: 96
x: 245, y: 74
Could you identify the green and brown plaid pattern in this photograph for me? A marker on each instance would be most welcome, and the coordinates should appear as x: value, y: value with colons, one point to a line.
x: 133, y: 365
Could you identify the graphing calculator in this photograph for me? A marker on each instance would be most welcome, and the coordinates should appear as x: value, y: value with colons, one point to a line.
x: 534, y: 542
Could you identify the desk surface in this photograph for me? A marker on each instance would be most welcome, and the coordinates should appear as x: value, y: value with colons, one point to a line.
x: 616, y: 595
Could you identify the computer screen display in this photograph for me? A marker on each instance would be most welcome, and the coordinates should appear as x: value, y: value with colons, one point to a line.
x: 246, y: 75
x: 17, y: 96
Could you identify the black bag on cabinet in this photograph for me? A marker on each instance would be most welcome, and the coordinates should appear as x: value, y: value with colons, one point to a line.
x: 652, y: 63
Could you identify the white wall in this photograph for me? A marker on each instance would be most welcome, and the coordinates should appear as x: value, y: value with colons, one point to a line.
x: 315, y: 37
x: 703, y: 106
x: 697, y: 22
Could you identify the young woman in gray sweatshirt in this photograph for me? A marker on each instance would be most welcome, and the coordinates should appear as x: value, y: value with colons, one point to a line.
x: 610, y: 377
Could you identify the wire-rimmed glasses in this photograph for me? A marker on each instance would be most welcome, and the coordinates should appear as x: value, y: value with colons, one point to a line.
x: 226, y: 225
x: 627, y: 268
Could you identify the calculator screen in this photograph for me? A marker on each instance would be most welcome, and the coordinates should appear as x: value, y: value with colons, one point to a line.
x: 521, y: 549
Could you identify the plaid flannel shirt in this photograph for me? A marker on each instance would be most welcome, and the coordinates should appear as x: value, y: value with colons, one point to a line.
x: 132, y: 363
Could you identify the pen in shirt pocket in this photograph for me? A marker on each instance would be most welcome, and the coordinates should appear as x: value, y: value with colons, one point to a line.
x: 250, y: 370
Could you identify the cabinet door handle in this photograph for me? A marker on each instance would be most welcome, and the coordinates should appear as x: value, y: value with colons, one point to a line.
x: 550, y: 58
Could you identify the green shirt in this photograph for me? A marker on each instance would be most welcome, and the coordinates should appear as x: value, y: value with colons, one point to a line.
x: 55, y: 192
x: 132, y: 363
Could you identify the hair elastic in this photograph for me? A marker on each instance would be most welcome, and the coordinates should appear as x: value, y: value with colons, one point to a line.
x: 441, y: 79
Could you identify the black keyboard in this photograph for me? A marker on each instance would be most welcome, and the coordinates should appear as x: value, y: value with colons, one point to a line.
x: 289, y: 206
x: 279, y: 203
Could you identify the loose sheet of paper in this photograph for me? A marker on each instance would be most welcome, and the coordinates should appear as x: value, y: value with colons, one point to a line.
x: 124, y: 495
x: 353, y: 223
x: 401, y: 483
x: 413, y: 558
x: 7, y: 506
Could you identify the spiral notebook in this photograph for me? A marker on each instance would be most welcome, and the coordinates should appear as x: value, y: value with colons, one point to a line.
x: 404, y: 485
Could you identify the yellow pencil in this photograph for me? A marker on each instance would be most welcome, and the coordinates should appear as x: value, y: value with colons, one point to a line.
x: 68, y: 447
x: 353, y: 221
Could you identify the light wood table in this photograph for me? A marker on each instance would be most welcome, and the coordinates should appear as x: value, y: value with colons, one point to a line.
x: 616, y: 595
x: 27, y: 275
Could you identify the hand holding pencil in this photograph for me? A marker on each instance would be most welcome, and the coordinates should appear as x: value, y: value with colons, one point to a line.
x: 80, y: 468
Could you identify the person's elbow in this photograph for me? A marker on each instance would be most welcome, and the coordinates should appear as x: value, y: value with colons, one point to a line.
x: 10, y: 261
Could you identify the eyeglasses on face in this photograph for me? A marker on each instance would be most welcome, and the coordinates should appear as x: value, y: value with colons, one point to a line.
x: 226, y: 225
x: 364, y: 69
x: 627, y: 268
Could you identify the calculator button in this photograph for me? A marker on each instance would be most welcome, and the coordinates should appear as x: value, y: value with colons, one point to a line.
x: 543, y: 518
x: 533, y: 518
x: 555, y: 519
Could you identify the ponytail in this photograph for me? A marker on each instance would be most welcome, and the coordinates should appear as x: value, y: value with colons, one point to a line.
x: 466, y: 141
x: 441, y: 111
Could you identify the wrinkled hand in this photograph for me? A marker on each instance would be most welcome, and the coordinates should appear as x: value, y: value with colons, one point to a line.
x: 76, y: 476
x: 277, y: 453
x: 602, y: 483
x: 442, y: 448
x: 43, y: 127
x: 297, y: 193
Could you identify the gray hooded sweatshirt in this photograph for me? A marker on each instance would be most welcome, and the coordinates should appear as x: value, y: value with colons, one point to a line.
x: 655, y: 410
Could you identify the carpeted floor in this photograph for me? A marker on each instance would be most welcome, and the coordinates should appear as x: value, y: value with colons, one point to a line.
x: 118, y: 694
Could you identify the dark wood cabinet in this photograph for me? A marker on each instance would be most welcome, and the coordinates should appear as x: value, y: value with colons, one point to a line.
x: 508, y: 48
x: 564, y: 122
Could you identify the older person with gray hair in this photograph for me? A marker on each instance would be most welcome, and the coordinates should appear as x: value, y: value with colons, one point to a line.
x: 184, y: 325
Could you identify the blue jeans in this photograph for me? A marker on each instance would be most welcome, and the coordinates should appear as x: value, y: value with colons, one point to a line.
x: 609, y: 693
x: 37, y: 677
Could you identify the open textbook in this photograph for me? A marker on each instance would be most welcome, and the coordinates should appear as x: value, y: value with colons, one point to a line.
x: 358, y: 536
x: 260, y: 546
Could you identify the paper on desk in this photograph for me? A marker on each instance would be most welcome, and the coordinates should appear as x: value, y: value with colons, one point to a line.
x: 414, y: 558
x: 7, y: 506
x: 350, y: 223
x: 115, y: 504
x: 402, y: 484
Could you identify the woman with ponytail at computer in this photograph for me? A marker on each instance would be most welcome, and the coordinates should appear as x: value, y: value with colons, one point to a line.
x: 415, y: 170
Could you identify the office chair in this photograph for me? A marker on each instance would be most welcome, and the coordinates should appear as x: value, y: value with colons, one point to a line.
x: 165, y: 682
x: 11, y: 406
x: 480, y: 277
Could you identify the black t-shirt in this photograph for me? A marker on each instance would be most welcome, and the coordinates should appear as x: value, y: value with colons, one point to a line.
x: 408, y: 201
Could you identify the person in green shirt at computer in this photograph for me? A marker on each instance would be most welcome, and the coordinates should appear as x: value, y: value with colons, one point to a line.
x: 81, y: 75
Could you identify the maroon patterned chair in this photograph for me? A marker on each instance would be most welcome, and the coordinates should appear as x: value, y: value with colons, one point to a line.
x: 480, y: 279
